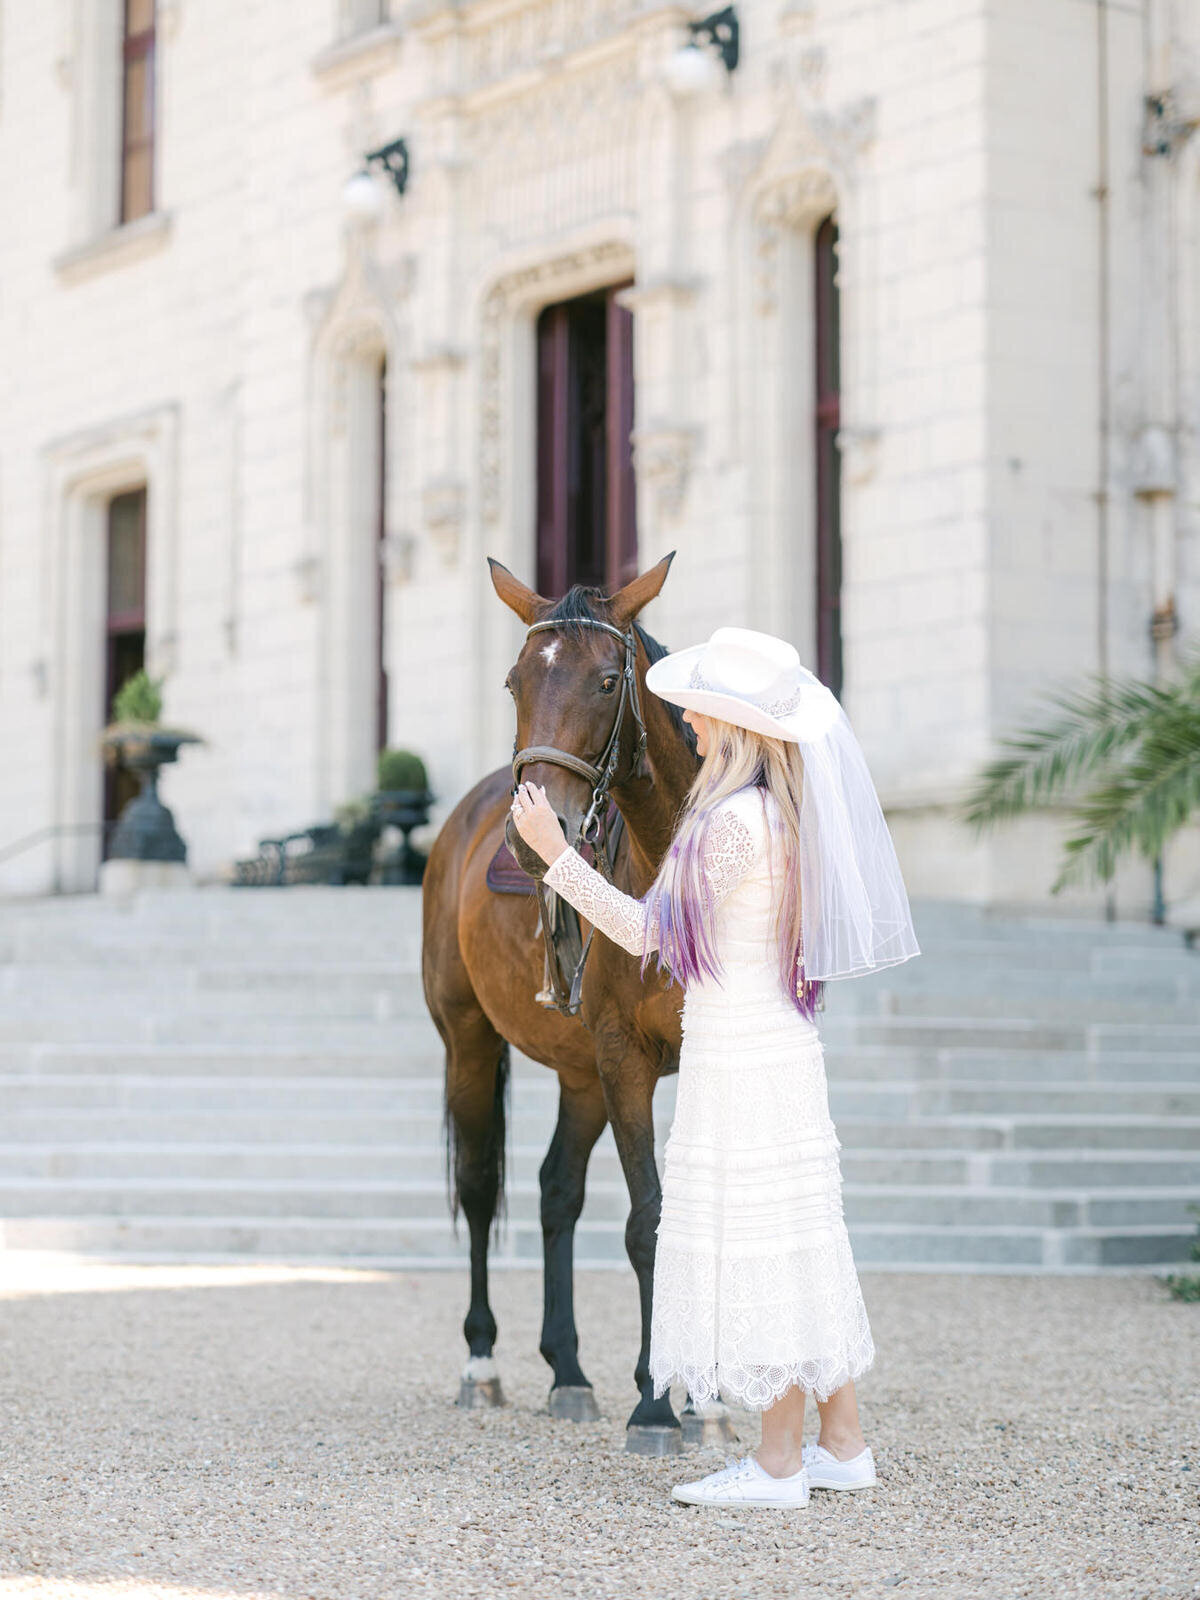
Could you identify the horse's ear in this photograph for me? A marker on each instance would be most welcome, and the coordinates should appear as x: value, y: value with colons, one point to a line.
x: 526, y: 602
x: 639, y: 591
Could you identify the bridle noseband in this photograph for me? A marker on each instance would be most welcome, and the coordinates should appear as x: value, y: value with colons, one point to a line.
x: 593, y: 829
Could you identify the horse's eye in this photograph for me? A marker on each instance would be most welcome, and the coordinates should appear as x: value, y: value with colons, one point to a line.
x: 610, y: 683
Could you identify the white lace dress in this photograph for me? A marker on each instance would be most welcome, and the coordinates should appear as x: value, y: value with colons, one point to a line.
x: 755, y: 1287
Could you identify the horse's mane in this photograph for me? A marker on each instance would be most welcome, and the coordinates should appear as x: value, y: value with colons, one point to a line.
x: 578, y: 603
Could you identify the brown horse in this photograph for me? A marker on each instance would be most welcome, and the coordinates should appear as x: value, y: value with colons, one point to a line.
x: 483, y: 964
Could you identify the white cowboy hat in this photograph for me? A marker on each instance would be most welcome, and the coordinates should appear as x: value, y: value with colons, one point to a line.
x: 750, y: 678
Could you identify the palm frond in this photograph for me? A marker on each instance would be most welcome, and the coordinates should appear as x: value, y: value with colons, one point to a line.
x: 1096, y: 725
x: 1147, y: 800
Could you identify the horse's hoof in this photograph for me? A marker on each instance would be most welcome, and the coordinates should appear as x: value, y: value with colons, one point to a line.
x: 479, y: 1389
x: 575, y: 1402
x: 649, y: 1441
x: 710, y: 1425
x: 480, y: 1396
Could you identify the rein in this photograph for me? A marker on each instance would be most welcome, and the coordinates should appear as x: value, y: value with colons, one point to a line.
x: 593, y: 829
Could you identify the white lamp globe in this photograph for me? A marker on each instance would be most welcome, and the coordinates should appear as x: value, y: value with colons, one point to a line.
x: 362, y: 198
x: 692, y: 70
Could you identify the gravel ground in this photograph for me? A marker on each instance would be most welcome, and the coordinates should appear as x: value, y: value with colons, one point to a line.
x: 207, y: 1432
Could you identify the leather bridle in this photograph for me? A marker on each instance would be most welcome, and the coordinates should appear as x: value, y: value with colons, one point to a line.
x: 593, y: 829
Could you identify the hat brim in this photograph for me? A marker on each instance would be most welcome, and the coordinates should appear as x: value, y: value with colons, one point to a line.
x: 813, y: 717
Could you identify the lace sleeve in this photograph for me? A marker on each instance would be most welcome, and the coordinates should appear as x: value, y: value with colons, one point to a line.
x: 728, y: 855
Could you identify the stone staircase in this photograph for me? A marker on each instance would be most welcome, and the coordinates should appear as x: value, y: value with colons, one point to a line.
x: 230, y: 1074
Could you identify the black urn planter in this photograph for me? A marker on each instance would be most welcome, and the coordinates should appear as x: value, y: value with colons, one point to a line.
x: 146, y: 830
x: 405, y: 809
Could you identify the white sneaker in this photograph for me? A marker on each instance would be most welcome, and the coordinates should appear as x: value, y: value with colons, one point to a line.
x: 744, y: 1483
x: 825, y: 1471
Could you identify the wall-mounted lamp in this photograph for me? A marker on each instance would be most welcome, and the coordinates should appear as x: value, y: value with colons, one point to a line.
x: 362, y: 198
x: 693, y: 68
x: 393, y: 158
x: 720, y: 31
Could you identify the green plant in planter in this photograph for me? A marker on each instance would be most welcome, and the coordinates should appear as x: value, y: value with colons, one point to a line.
x: 138, y: 700
x: 403, y: 801
x: 401, y: 770
x: 137, y: 740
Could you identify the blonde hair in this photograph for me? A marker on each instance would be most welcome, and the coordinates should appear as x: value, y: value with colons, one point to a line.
x: 737, y: 758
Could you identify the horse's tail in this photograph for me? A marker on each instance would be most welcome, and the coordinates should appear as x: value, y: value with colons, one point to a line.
x: 495, y: 1151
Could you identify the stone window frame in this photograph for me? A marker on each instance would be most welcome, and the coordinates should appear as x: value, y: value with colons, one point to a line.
x: 90, y: 68
x: 83, y: 472
x: 360, y: 46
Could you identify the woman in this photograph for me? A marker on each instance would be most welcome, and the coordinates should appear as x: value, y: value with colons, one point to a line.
x: 781, y: 874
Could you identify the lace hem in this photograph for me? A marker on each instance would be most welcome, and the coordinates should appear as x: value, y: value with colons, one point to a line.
x: 756, y: 1388
x: 746, y: 1328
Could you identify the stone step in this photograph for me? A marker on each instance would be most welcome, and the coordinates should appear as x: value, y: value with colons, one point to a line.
x: 182, y: 1127
x: 417, y: 1097
x: 1074, y: 1171
x: 388, y: 1028
x: 218, y: 907
x: 115, y: 950
x: 955, y: 961
x: 412, y: 1055
x: 40, y: 1013
x: 115, y: 959
x: 960, y: 983
x: 890, y: 1247
x: 1154, y: 1004
x: 319, y: 1032
x: 421, y: 1096
x: 1040, y: 1099
x: 28, y: 983
x: 404, y: 1200
x: 935, y: 921
x: 173, y: 1015
x: 415, y: 1050
x: 965, y: 1064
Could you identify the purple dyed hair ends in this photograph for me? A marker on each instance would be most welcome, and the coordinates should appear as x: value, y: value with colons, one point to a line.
x: 681, y: 898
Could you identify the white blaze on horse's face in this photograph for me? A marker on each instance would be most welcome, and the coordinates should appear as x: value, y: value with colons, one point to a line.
x: 550, y: 650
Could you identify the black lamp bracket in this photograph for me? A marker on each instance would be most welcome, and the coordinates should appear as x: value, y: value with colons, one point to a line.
x: 721, y: 32
x: 393, y: 158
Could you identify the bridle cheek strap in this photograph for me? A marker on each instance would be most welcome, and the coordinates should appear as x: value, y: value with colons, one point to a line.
x: 593, y: 829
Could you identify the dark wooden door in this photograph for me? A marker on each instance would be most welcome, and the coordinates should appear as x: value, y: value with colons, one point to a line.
x: 125, y: 626
x: 586, y: 504
x: 828, y: 460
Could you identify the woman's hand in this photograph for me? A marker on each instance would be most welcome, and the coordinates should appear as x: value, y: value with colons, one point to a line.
x: 535, y: 821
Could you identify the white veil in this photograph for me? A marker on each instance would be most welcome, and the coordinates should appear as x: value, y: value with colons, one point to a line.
x: 855, y: 915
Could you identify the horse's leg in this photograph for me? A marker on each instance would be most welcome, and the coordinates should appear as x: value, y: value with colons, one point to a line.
x: 581, y: 1119
x: 477, y: 1071
x: 708, y: 1424
x: 653, y: 1428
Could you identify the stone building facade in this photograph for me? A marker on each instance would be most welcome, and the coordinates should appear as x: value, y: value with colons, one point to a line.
x: 264, y: 421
